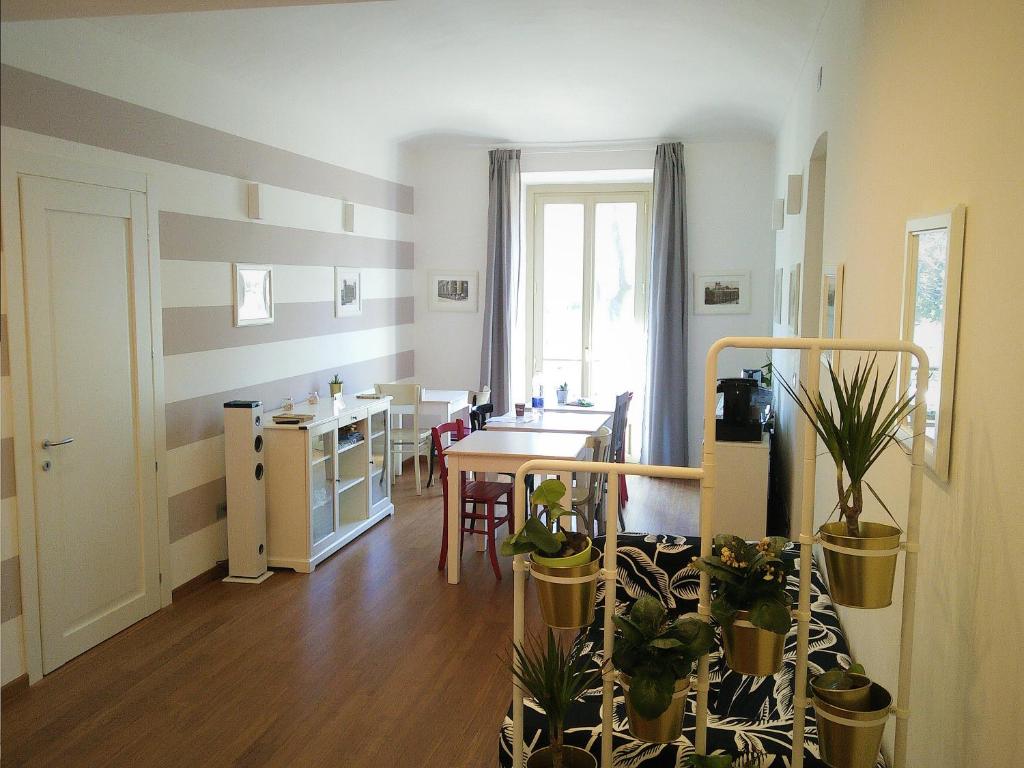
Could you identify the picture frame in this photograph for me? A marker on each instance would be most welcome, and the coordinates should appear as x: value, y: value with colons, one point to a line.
x: 348, y: 292
x: 831, y: 316
x: 253, y: 294
x: 779, y: 278
x: 794, y: 299
x: 721, y: 293
x: 453, y: 291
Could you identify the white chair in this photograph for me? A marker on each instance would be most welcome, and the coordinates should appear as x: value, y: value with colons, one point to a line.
x: 588, y: 489
x: 406, y: 400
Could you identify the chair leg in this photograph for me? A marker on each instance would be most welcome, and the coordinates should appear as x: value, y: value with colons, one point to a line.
x: 430, y: 465
x: 491, y: 548
x: 444, y: 541
x: 416, y: 459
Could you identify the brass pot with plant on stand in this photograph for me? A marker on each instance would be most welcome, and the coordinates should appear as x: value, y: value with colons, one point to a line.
x: 654, y: 658
x: 851, y: 713
x: 751, y: 602
x: 564, y: 564
x: 860, y: 557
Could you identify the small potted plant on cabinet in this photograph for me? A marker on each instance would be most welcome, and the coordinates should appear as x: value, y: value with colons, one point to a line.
x: 555, y: 679
x: 336, y: 384
x: 750, y: 601
x: 557, y: 554
x: 851, y: 713
x: 654, y: 658
x: 856, y: 432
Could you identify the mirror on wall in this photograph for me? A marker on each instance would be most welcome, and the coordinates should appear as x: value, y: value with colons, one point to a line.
x: 930, y: 318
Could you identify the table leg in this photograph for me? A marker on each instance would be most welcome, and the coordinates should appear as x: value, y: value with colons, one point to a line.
x: 454, y: 518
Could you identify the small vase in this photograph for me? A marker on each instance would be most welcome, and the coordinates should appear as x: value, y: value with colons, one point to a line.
x: 561, y: 395
x: 335, y: 388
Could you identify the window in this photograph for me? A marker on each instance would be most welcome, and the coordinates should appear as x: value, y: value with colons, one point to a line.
x: 931, y: 309
x: 587, y: 263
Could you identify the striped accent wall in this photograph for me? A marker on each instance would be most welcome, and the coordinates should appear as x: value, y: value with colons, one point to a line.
x: 199, y: 177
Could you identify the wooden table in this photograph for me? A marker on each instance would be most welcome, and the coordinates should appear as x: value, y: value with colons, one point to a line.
x: 499, y: 451
x: 548, y: 421
x: 451, y: 401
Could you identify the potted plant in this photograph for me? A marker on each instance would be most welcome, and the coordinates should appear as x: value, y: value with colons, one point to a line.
x: 555, y: 679
x: 856, y: 432
x: 654, y: 658
x: 336, y: 384
x: 562, y: 393
x: 851, y: 713
x: 750, y: 601
x: 557, y: 554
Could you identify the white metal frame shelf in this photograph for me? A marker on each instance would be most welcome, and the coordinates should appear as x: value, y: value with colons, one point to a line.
x: 810, y: 349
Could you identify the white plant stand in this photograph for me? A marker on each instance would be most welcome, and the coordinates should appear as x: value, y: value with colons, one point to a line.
x: 811, y: 349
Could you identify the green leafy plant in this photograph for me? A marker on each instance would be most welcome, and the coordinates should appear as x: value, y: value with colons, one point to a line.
x: 554, y: 678
x: 751, y: 577
x: 336, y: 379
x: 855, y: 432
x: 709, y: 761
x: 839, y: 678
x: 655, y: 652
x: 563, y: 387
x: 537, y: 534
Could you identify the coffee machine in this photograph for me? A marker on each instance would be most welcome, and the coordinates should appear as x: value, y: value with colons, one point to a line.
x: 745, y: 407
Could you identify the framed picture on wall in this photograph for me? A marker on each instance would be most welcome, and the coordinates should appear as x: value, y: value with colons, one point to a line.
x: 452, y: 291
x: 348, y: 292
x: 254, y: 294
x: 779, y: 275
x: 831, y: 308
x: 721, y: 293
x: 794, y: 299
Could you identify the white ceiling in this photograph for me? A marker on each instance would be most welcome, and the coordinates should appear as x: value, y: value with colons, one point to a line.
x: 542, y: 71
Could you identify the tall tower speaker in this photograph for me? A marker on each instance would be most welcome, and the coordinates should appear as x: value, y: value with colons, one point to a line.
x: 247, y: 503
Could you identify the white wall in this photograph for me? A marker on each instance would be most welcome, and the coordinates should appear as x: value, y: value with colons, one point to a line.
x: 729, y: 189
x: 921, y: 102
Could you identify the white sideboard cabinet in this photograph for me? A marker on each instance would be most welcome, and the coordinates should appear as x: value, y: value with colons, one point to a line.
x: 324, y: 488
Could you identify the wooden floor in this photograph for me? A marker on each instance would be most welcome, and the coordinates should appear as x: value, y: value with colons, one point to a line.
x: 372, y: 660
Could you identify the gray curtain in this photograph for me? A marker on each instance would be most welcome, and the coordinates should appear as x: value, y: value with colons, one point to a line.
x: 665, y: 433
x: 502, y: 268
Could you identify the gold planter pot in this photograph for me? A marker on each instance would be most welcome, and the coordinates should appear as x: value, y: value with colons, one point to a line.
x: 849, y: 738
x: 861, y: 568
x: 665, y: 728
x: 751, y: 650
x: 572, y: 757
x: 567, y: 604
x: 858, y: 697
x: 335, y: 389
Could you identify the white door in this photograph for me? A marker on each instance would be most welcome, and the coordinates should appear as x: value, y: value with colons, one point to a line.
x: 91, y: 382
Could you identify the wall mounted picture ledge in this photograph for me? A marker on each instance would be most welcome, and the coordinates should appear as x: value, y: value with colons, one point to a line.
x: 721, y: 293
x: 795, y: 193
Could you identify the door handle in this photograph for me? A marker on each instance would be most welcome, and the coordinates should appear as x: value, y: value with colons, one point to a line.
x: 65, y: 441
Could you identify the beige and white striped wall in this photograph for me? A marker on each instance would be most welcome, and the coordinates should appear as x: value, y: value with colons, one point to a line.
x: 198, y: 177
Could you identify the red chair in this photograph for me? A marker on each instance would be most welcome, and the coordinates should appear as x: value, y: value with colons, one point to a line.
x: 474, y: 493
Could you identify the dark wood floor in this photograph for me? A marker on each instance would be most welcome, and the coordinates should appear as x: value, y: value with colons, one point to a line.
x: 373, y: 660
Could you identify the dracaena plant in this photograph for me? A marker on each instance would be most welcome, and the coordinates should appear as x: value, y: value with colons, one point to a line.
x: 750, y: 577
x: 537, y: 534
x: 655, y: 652
x: 856, y: 430
x: 554, y: 678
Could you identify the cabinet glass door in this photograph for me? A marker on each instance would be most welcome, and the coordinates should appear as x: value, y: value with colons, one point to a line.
x: 380, y: 477
x: 322, y: 479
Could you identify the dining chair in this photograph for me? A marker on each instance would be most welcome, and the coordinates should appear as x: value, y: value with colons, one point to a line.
x: 406, y: 400
x: 473, y: 493
x: 618, y: 444
x: 588, y: 489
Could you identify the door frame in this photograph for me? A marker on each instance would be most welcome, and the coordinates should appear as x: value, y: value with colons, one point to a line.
x: 17, y: 163
x: 539, y: 194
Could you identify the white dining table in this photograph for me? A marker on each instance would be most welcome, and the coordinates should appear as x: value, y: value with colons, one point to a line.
x: 558, y: 422
x: 500, y: 451
x: 607, y: 407
x: 450, y: 401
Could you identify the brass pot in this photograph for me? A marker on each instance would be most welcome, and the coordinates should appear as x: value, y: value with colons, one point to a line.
x: 567, y: 605
x: 861, y: 580
x: 335, y: 389
x: 857, y: 698
x: 751, y: 650
x: 667, y: 726
x: 572, y: 757
x: 849, y: 738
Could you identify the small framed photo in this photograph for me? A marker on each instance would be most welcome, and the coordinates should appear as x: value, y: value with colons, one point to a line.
x: 794, y: 299
x: 831, y: 309
x: 254, y: 294
x: 779, y: 274
x: 348, y: 292
x: 721, y: 293
x: 453, y: 291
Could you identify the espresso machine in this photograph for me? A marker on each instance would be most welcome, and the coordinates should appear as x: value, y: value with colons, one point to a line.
x: 745, y: 407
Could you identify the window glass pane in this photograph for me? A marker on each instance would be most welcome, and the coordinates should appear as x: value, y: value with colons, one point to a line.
x: 563, y: 294
x: 929, y: 314
x: 618, y: 348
